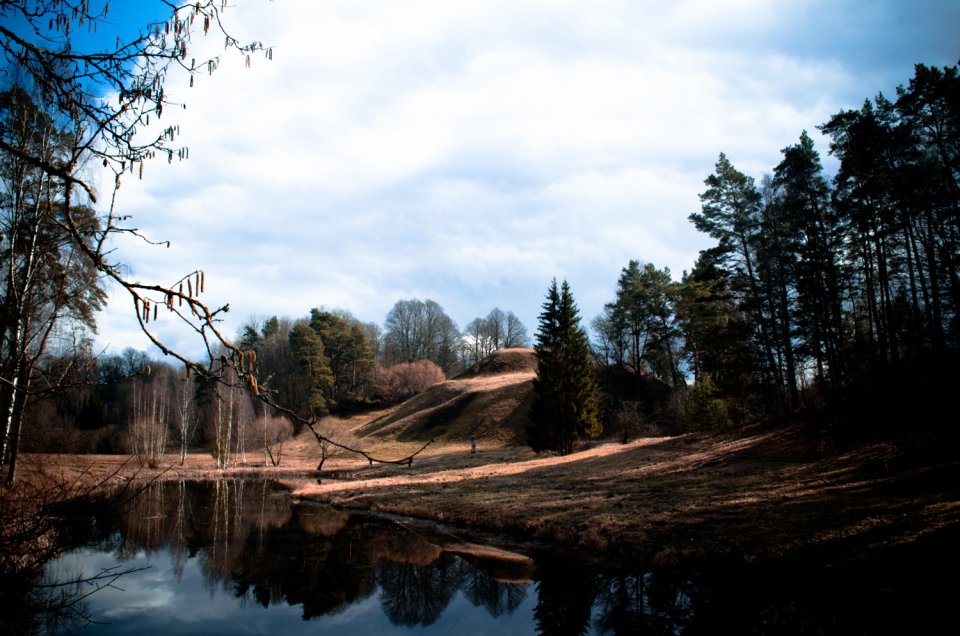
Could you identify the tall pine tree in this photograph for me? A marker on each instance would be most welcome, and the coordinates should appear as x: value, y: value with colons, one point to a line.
x: 315, y: 375
x: 564, y: 407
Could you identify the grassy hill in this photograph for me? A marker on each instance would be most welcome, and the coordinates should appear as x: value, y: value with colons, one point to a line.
x: 488, y: 401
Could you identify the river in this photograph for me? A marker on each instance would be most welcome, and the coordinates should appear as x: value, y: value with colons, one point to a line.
x: 241, y: 557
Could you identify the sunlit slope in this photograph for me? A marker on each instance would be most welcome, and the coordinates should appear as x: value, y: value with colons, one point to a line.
x: 488, y: 402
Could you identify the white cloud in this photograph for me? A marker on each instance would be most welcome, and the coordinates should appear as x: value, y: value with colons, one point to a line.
x: 470, y: 151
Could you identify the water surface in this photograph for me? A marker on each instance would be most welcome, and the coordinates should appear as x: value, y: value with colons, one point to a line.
x: 240, y: 557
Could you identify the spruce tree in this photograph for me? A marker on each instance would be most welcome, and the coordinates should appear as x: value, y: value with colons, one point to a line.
x: 307, y: 347
x: 564, y: 407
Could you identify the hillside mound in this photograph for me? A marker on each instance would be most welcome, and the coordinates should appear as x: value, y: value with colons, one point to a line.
x: 503, y: 361
x: 489, y: 401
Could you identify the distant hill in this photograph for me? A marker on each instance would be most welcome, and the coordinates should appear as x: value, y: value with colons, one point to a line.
x: 503, y: 361
x: 487, y: 401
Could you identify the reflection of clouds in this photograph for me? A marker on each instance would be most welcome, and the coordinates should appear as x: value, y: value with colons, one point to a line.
x: 200, y: 576
x: 131, y: 594
x: 354, y: 616
x: 153, y: 602
x: 462, y: 618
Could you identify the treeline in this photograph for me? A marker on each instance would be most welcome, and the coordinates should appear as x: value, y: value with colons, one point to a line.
x: 129, y: 403
x: 326, y: 363
x: 332, y: 362
x: 817, y: 290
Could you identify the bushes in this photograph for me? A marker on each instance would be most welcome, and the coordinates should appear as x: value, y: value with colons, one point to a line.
x: 147, y: 439
x: 404, y: 380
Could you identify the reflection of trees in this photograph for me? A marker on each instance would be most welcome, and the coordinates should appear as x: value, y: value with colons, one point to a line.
x: 670, y: 598
x: 323, y: 574
x: 565, y: 591
x: 325, y: 562
x: 417, y: 594
x: 182, y: 516
x: 621, y: 605
x: 483, y: 590
x: 764, y: 600
x: 249, y: 539
x: 146, y: 526
x: 227, y: 532
x: 655, y: 602
x: 211, y: 520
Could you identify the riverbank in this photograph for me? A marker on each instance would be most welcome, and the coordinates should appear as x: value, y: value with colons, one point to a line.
x: 752, y: 496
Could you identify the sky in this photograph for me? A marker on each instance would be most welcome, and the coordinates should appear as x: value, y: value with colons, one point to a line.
x: 469, y: 152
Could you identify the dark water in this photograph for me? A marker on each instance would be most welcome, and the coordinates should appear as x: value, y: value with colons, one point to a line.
x: 240, y: 557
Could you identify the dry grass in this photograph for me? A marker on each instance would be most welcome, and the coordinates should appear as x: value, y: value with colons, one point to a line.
x: 755, y: 494
x: 490, y: 401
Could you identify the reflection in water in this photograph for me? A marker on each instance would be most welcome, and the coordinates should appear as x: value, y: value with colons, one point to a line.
x: 253, y: 555
x: 497, y: 597
x: 565, y: 594
x: 250, y: 541
x: 417, y: 594
x: 643, y: 603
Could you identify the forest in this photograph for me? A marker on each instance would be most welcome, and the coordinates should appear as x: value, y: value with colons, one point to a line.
x: 821, y: 292
x: 776, y: 412
x: 326, y: 363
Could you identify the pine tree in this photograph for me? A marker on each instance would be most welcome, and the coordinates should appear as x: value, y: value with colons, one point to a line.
x: 315, y: 372
x: 564, y: 407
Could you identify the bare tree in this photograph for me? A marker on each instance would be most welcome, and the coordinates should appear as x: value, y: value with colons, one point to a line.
x: 496, y: 328
x: 499, y: 330
x: 421, y: 330
x: 48, y: 287
x: 148, y: 430
x: 185, y: 413
x: 274, y: 431
x: 103, y: 99
x: 334, y: 443
x: 476, y: 343
x: 95, y: 106
x: 71, y: 84
x: 516, y: 333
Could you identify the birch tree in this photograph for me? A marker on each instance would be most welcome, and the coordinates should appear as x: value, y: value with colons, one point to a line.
x: 99, y: 96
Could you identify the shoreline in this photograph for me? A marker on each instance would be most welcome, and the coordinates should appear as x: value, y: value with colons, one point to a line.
x: 752, y: 496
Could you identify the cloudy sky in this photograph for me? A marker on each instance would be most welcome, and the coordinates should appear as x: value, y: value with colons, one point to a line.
x: 468, y: 152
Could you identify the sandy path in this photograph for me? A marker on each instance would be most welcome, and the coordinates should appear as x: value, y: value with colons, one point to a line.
x: 476, y: 472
